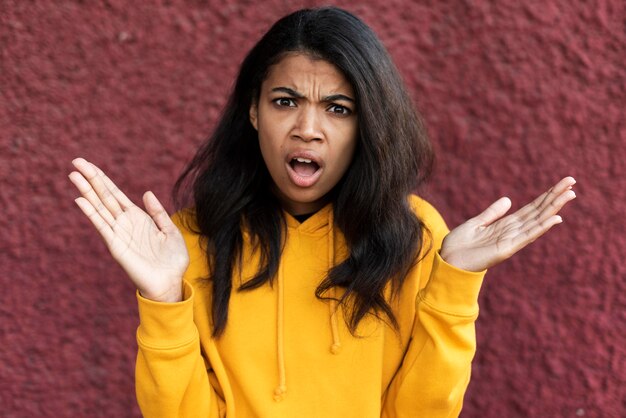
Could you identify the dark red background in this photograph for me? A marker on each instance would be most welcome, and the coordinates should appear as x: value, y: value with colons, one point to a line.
x: 515, y: 96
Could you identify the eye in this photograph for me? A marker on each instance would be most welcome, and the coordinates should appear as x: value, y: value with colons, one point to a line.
x: 285, y: 101
x: 340, y: 110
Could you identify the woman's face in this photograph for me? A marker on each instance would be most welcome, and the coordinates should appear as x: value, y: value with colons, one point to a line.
x: 307, y: 124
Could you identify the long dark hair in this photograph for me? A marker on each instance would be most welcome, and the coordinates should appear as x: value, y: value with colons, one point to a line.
x: 229, y: 185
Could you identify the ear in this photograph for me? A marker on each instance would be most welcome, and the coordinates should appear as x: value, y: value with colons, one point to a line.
x: 254, y: 115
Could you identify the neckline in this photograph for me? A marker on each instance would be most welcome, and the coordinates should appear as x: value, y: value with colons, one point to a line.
x: 316, y: 221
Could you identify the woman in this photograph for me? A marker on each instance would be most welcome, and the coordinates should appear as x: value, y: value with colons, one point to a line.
x: 304, y: 279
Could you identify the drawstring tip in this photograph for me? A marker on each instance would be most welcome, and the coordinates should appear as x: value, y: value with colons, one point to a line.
x: 279, y: 393
x: 335, y: 348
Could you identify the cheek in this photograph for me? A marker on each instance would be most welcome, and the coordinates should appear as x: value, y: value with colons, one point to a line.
x: 348, y: 132
x: 271, y: 149
x: 344, y: 157
x: 349, y: 146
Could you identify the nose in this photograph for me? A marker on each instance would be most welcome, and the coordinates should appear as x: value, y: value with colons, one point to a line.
x: 308, y: 126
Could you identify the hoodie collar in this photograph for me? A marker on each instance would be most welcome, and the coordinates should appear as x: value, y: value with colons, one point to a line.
x: 315, y: 224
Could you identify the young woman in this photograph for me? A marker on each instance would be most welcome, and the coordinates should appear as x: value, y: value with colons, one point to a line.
x: 304, y: 278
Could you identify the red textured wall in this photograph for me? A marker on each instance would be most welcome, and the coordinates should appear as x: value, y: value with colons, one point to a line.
x: 515, y: 95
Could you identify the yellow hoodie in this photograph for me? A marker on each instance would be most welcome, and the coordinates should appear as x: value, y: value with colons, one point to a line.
x: 285, y: 353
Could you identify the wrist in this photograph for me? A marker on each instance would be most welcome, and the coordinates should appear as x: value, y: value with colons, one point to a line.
x: 461, y: 262
x: 172, y: 295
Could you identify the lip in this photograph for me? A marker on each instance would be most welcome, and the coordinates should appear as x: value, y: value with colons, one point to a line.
x: 304, y: 181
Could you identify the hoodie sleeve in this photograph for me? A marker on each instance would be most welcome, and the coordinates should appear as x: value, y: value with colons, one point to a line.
x: 171, y: 374
x: 172, y: 377
x: 435, y: 371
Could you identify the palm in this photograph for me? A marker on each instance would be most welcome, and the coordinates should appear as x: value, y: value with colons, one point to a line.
x: 148, y: 246
x: 148, y: 255
x: 491, y: 237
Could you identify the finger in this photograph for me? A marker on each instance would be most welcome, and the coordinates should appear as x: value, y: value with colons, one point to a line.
x: 87, y: 192
x: 537, y: 205
x: 94, y: 216
x: 158, y: 213
x: 538, y: 222
x: 90, y: 173
x: 494, y: 212
x: 549, y: 212
x: 555, y: 205
x: 537, y: 230
x: 123, y: 200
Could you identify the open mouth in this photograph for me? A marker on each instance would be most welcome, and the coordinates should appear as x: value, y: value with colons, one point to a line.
x: 304, y: 167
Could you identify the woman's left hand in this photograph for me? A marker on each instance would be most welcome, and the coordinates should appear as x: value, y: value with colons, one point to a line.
x: 490, y: 238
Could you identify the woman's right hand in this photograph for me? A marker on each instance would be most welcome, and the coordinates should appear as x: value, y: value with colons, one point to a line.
x: 148, y: 246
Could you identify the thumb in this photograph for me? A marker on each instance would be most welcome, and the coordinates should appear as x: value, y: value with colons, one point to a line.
x: 494, y: 212
x: 158, y: 213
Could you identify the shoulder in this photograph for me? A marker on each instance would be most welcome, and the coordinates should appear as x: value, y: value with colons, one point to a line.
x: 430, y: 217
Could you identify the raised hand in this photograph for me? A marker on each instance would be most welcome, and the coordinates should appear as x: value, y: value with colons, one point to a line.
x: 148, y: 246
x: 490, y: 238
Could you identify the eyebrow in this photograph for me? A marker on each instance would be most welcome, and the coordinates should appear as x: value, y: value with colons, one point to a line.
x: 331, y: 98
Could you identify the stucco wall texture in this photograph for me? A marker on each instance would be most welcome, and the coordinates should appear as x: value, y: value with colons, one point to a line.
x: 515, y: 95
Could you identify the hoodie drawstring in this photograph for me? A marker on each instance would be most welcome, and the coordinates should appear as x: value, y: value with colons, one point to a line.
x: 279, y: 392
x: 335, y: 348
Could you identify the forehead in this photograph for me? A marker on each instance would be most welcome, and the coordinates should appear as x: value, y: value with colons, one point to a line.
x: 303, y: 72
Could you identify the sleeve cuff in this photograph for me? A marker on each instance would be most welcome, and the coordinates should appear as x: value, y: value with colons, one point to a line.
x: 452, y: 290
x: 166, y: 325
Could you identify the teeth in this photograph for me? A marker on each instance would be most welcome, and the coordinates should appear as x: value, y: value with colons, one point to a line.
x: 303, y: 160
